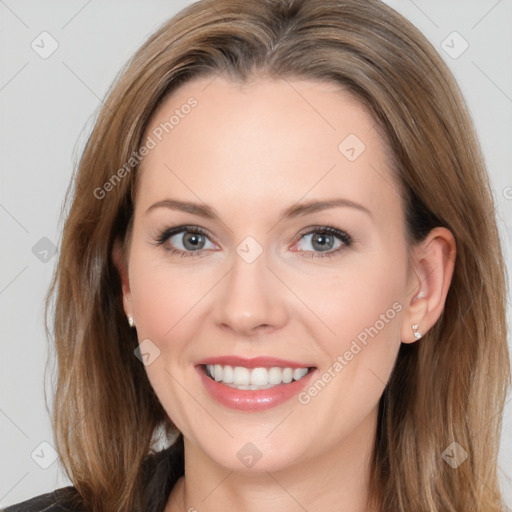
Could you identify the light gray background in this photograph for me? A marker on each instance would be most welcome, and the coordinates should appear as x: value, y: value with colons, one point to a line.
x: 47, y: 108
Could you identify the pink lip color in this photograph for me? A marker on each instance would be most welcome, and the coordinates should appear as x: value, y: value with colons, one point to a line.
x: 252, y: 400
x: 254, y: 362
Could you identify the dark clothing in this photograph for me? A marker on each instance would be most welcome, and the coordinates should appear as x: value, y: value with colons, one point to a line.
x: 161, y: 471
x: 56, y: 501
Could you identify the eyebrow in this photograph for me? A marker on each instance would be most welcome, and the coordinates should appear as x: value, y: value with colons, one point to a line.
x: 295, y: 210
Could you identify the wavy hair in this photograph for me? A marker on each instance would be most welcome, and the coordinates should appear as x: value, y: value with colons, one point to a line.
x: 450, y: 387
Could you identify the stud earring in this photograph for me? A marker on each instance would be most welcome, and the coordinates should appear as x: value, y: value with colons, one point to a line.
x: 417, y: 334
x: 130, y: 321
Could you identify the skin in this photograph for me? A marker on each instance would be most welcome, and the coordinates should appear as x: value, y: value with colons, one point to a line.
x: 249, y: 151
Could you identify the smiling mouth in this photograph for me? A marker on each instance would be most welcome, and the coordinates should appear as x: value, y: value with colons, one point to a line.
x: 240, y: 377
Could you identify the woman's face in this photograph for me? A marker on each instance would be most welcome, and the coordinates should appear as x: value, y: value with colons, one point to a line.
x: 258, y: 283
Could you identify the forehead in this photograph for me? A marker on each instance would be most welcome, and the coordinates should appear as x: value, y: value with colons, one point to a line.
x: 263, y: 142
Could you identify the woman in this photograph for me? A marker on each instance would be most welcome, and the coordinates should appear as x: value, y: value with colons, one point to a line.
x: 252, y: 138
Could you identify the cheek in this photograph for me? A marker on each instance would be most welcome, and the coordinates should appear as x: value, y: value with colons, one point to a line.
x: 156, y: 303
x: 163, y: 298
x: 365, y: 291
x: 163, y: 294
x: 361, y: 311
x: 362, y: 307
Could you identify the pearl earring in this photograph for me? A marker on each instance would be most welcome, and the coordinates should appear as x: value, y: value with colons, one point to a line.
x: 417, y: 334
x: 130, y: 321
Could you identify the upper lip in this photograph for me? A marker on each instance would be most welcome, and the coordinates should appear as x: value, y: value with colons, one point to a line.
x: 253, y: 362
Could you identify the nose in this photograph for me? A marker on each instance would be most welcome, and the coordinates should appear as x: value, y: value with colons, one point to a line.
x: 252, y: 299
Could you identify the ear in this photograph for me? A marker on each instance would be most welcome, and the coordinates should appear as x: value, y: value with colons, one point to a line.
x: 122, y: 268
x: 430, y: 275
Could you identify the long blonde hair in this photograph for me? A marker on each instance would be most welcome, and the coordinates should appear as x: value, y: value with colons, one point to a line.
x: 450, y: 387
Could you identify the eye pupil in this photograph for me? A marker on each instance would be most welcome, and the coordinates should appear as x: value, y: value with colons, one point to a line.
x: 321, y: 240
x: 194, y: 239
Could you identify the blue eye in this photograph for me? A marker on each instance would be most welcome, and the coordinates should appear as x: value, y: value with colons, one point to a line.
x: 323, y: 238
x: 193, y: 240
x: 192, y: 243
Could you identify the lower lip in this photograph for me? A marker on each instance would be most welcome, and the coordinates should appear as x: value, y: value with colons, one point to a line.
x: 252, y: 400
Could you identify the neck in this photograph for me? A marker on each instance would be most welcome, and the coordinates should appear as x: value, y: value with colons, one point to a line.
x: 334, y: 480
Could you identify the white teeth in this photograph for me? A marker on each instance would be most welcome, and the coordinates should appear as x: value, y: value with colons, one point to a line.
x: 287, y: 375
x: 241, y: 376
x: 259, y: 377
x: 228, y: 375
x: 275, y: 376
x: 255, y: 378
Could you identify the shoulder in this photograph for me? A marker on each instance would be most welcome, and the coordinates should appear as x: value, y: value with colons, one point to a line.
x: 160, y: 472
x: 61, y: 500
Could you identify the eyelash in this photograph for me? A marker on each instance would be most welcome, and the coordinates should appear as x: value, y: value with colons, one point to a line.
x: 164, y: 235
